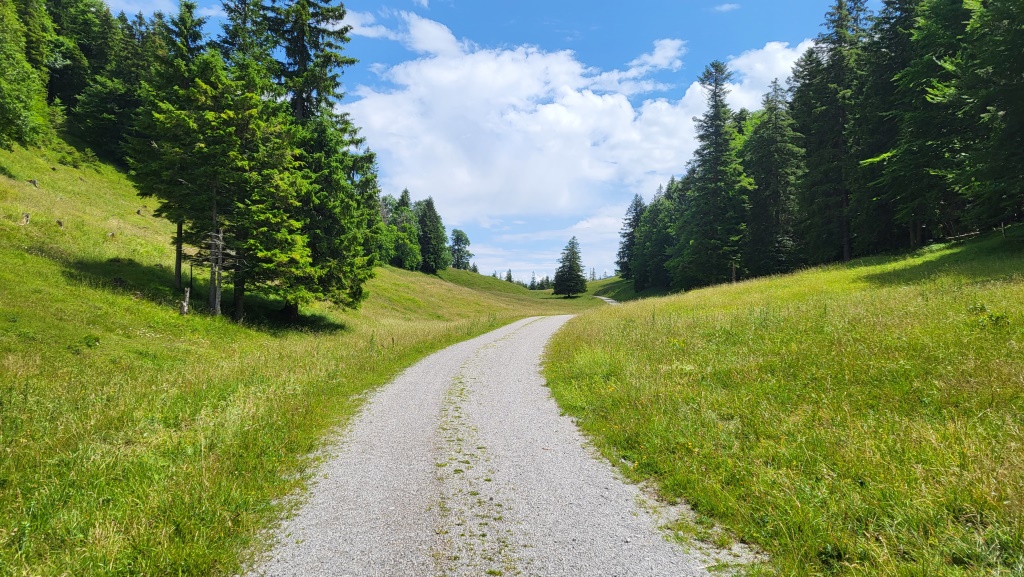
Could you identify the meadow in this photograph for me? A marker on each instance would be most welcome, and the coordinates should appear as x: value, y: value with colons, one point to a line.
x: 859, y: 419
x: 138, y: 441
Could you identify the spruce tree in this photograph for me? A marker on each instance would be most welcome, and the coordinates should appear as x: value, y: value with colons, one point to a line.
x: 569, y: 277
x: 23, y: 108
x: 918, y: 173
x: 653, y: 240
x: 992, y: 89
x: 432, y: 238
x: 774, y: 162
x: 627, y: 244
x: 829, y: 148
x: 712, y: 226
x: 338, y: 211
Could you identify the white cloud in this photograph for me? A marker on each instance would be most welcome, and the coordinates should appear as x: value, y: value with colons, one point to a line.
x: 757, y: 68
x: 727, y: 7
x: 212, y: 12
x: 423, y: 3
x: 500, y: 135
x: 364, y: 24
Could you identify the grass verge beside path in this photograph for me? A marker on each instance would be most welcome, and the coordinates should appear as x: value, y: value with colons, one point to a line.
x: 134, y: 441
x: 852, y: 420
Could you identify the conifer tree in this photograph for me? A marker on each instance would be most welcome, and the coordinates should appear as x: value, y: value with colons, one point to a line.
x: 338, y: 211
x: 829, y: 82
x: 23, y: 108
x: 627, y: 244
x: 432, y: 238
x: 992, y: 88
x: 653, y: 241
x: 774, y: 162
x: 569, y: 277
x: 712, y: 226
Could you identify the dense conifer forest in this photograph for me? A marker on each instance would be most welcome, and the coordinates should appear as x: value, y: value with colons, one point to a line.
x: 896, y: 129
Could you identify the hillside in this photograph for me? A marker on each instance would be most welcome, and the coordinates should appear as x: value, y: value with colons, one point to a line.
x: 138, y: 441
x: 858, y: 419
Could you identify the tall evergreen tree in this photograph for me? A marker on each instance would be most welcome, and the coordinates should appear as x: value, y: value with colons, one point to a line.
x: 627, y: 244
x: 459, y: 249
x: 340, y: 208
x: 433, y: 247
x: 831, y: 164
x: 713, y: 225
x: 162, y: 169
x: 654, y: 238
x: 569, y: 277
x: 774, y: 162
x: 992, y: 87
x: 23, y: 108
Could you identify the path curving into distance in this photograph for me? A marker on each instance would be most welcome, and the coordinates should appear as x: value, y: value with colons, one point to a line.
x: 463, y: 466
x: 608, y: 300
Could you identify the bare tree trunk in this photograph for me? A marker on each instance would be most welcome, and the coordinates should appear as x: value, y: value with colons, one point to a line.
x: 177, y: 256
x: 184, y: 302
x: 214, y: 299
x: 220, y: 269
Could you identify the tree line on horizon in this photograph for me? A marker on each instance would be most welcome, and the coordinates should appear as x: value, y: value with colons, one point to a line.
x: 237, y: 137
x: 895, y: 129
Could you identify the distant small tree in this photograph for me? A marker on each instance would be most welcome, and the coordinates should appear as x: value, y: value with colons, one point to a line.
x: 533, y: 281
x: 474, y: 268
x: 459, y: 249
x: 508, y: 276
x: 569, y: 277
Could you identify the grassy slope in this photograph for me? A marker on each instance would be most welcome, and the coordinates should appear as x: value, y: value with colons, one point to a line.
x: 620, y: 290
x: 136, y: 441
x: 852, y: 420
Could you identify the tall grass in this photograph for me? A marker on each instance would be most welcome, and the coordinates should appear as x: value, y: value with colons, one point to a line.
x: 137, y: 441
x: 853, y: 420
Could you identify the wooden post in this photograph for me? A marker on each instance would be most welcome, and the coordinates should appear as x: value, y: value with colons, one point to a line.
x: 184, y: 303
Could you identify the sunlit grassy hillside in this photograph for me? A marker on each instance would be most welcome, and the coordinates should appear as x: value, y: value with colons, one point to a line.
x: 139, y: 442
x: 865, y: 419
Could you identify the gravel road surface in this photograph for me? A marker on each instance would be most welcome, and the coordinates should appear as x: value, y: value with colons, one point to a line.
x: 464, y: 466
x: 608, y: 300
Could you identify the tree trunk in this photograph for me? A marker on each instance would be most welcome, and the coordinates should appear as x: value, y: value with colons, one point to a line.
x: 177, y: 256
x: 238, y: 298
x: 290, y: 312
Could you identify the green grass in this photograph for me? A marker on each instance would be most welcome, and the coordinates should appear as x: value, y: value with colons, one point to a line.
x: 620, y: 290
x: 137, y: 441
x: 865, y: 419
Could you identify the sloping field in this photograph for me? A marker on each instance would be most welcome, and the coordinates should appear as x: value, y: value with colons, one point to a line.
x: 137, y: 441
x: 863, y: 419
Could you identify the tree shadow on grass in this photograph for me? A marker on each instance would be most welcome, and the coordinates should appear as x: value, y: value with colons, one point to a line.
x: 155, y: 284
x: 991, y: 257
x: 4, y: 171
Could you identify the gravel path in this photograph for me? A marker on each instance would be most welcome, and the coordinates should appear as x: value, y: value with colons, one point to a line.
x: 608, y: 300
x: 463, y: 466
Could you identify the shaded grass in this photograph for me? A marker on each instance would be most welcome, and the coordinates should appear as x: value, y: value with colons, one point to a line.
x: 620, y: 290
x: 852, y: 420
x: 137, y: 441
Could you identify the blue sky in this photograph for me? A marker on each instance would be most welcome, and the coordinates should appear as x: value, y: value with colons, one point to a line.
x: 532, y: 121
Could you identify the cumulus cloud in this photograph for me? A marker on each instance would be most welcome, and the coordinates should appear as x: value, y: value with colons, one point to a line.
x: 727, y: 7
x: 498, y: 135
x: 423, y: 3
x: 365, y: 24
